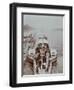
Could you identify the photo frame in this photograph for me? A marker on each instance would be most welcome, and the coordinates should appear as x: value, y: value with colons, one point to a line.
x: 40, y: 44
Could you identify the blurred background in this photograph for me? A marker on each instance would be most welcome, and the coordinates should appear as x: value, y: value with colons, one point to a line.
x: 51, y: 26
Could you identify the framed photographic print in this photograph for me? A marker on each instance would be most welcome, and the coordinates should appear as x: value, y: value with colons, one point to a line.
x: 40, y: 44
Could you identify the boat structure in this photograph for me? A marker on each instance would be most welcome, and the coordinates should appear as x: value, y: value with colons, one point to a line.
x: 38, y: 57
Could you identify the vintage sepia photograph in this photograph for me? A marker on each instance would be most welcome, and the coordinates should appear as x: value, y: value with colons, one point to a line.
x: 42, y: 44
